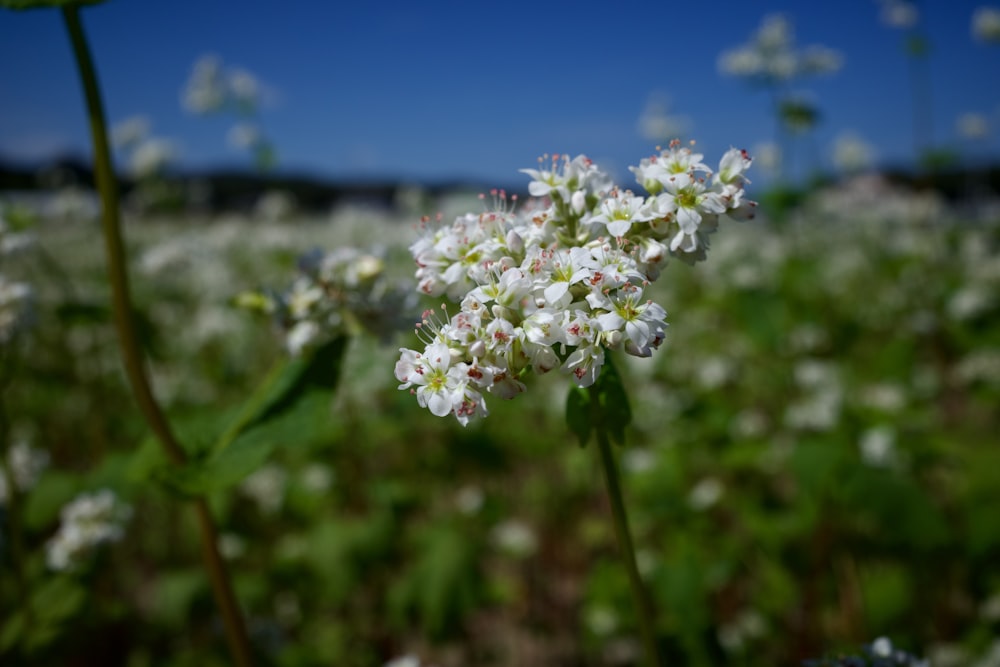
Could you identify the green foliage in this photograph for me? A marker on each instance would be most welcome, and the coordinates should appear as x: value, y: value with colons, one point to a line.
x: 809, y: 464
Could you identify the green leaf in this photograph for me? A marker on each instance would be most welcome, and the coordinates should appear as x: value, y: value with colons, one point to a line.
x: 291, y: 407
x: 303, y: 424
x: 615, y: 413
x: 318, y: 371
x: 45, y: 4
x: 578, y: 414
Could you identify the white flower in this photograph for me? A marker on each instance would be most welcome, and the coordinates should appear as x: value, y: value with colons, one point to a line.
x: 851, y: 153
x: 557, y: 283
x: 770, y: 56
x: 26, y: 465
x: 899, y: 14
x: 86, y: 522
x: 619, y: 211
x: 266, y: 486
x: 986, y: 24
x: 877, y: 446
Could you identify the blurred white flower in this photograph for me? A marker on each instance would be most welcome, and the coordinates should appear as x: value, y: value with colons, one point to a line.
x: 714, y: 371
x: 87, y: 522
x: 469, y: 499
x: 130, y: 132
x: 15, y: 308
x: 206, y: 89
x: 899, y: 14
x: 266, y: 487
x: 979, y: 366
x: 638, y: 460
x: 244, y: 136
x: 986, y: 25
x: 231, y: 546
x: 878, y: 446
x: 884, y: 396
x: 317, y: 478
x: 749, y: 423
x: 26, y: 464
x: 817, y: 409
x: 736, y: 634
x: 515, y: 537
x: 851, y: 153
x: 602, y: 620
x: 705, y: 493
x: 657, y: 124
x: 767, y: 156
x: 971, y: 301
x: 770, y: 56
x: 973, y: 126
x: 151, y: 157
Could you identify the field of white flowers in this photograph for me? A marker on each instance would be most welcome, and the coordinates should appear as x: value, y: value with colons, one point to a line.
x: 462, y: 430
x: 811, y: 464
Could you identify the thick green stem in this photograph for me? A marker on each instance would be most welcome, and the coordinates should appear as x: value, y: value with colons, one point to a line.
x: 643, y: 605
x: 132, y: 357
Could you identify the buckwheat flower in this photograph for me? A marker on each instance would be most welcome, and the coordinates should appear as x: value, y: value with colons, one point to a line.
x: 436, y: 389
x: 986, y: 25
x: 551, y: 284
x: 515, y: 537
x: 973, y: 126
x: 15, y: 308
x: 705, y: 493
x: 87, y: 522
x: 151, y: 156
x: 877, y: 447
x: 620, y: 211
x: 899, y: 14
x: 26, y: 465
x: 206, y: 88
x: 130, y: 132
x: 643, y: 322
x: 266, y: 487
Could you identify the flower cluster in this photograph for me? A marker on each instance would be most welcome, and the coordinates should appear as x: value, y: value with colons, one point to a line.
x: 336, y: 293
x: 560, y: 281
x: 771, y: 56
x: 87, y: 522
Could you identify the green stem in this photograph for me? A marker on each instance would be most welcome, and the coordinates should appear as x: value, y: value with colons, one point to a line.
x: 107, y: 187
x: 640, y: 597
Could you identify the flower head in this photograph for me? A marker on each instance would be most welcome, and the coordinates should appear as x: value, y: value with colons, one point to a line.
x: 556, y: 283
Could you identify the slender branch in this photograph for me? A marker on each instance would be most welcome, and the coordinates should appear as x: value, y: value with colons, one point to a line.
x: 107, y: 186
x: 643, y: 605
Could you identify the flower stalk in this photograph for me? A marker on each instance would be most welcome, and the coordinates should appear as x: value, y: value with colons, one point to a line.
x: 640, y: 597
x: 132, y: 358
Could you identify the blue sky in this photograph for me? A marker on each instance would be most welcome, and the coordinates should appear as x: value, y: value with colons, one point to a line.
x: 477, y: 90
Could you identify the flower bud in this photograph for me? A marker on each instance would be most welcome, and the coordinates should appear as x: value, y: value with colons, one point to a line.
x: 578, y: 202
x: 514, y: 242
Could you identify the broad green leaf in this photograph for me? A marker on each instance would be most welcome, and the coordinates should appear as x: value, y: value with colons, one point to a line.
x: 318, y: 371
x: 291, y: 407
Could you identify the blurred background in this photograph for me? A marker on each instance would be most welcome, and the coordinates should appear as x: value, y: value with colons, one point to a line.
x: 813, y: 461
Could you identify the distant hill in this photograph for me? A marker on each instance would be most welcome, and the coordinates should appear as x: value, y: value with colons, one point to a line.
x: 234, y: 189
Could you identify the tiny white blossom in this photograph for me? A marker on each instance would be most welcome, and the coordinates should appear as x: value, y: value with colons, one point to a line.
x: 87, y: 522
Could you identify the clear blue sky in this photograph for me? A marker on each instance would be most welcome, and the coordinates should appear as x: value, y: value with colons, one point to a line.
x: 436, y: 90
